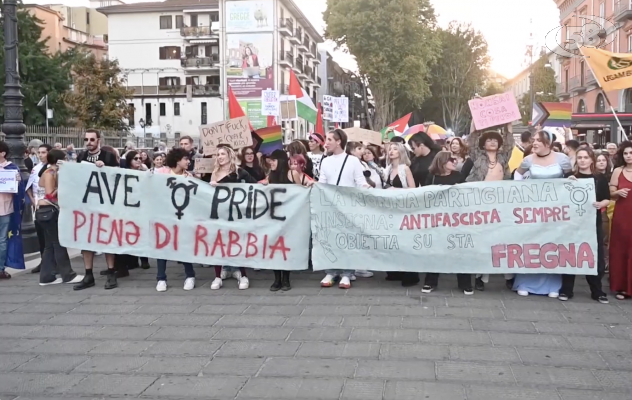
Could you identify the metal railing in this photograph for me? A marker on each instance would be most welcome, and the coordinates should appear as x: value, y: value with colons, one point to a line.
x: 193, y: 62
x: 71, y: 135
x: 622, y: 6
x: 561, y: 88
x: 197, y: 31
x: 205, y: 90
x: 286, y: 23
x: 287, y: 56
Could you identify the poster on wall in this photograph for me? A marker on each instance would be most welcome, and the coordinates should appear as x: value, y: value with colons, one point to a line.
x: 252, y: 108
x: 250, y: 69
x: 250, y: 16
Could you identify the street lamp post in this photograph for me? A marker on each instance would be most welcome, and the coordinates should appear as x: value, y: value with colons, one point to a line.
x: 13, y: 126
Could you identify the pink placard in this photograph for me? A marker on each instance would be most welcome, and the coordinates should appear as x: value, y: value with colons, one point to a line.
x: 498, y: 109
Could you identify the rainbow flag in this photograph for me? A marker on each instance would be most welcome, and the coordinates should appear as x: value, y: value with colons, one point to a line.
x: 559, y: 115
x: 272, y: 137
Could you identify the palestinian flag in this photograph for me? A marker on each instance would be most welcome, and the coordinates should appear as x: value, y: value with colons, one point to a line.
x: 398, y: 126
x: 305, y: 107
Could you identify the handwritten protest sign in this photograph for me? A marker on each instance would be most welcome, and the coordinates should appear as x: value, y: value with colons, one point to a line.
x: 183, y: 219
x: 498, y: 109
x: 357, y: 134
x: 270, y: 102
x: 204, y: 165
x: 340, y: 109
x: 9, y: 181
x: 538, y: 226
x: 288, y: 108
x: 328, y: 107
x: 234, y: 132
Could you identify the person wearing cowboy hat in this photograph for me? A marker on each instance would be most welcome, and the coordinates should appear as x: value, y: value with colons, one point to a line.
x: 490, y: 152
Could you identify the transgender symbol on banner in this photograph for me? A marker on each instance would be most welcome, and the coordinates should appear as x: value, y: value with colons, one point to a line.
x: 192, y: 186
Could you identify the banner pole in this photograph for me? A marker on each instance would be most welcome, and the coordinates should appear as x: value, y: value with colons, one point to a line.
x: 616, y: 117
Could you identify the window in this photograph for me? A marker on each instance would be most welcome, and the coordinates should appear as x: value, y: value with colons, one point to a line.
x: 169, y: 81
x: 163, y: 109
x: 568, y: 31
x: 147, y: 114
x: 212, y: 80
x: 179, y: 21
x: 582, y: 71
x: 602, y: 13
x: 130, y: 110
x: 193, y: 80
x: 581, y: 107
x: 600, y: 104
x: 203, y: 119
x: 214, y: 16
x: 169, y: 53
x: 194, y: 20
x: 87, y: 18
x: 165, y: 21
x: 630, y: 44
x: 176, y: 108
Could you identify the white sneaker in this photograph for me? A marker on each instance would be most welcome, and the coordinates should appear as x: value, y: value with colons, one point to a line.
x: 353, y: 277
x: 55, y: 282
x: 554, y: 295
x: 328, y: 281
x: 217, y: 283
x: 523, y: 293
x: 189, y: 283
x: 363, y: 273
x: 244, y: 283
x: 225, y: 274
x: 161, y: 286
x: 77, y: 279
x: 237, y: 275
x: 345, y: 283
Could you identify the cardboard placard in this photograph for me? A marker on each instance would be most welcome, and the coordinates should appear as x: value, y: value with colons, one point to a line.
x: 234, y: 133
x: 498, y: 109
x: 204, y: 165
x: 363, y: 135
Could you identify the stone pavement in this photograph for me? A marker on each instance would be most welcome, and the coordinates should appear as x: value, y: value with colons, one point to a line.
x: 376, y: 341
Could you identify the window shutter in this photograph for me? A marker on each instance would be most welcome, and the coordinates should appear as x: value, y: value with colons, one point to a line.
x: 178, y: 49
x: 163, y: 53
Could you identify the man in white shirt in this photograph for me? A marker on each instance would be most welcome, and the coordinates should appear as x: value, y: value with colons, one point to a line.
x: 340, y: 169
x: 32, y: 189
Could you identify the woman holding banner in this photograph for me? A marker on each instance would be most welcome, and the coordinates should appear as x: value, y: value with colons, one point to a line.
x: 543, y: 163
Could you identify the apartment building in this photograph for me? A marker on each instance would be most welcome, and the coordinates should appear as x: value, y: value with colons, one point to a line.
x: 606, y: 24
x: 61, y: 37
x: 180, y: 56
x: 520, y: 84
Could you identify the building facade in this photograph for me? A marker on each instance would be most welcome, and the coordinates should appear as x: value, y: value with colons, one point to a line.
x: 180, y: 57
x: 608, y: 24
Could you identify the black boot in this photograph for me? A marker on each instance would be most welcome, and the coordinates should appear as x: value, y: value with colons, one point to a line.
x: 277, y: 281
x: 111, y: 282
x: 479, y: 284
x: 285, y: 281
x: 87, y: 282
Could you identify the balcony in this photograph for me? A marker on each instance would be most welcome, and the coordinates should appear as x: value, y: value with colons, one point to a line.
x: 286, y: 26
x: 200, y: 32
x: 200, y: 63
x: 304, y: 45
x: 316, y: 83
x: 298, y: 65
x: 286, y: 59
x: 171, y: 90
x: 297, y: 37
x: 309, y: 72
x: 285, y: 89
x: 576, y: 84
x: 316, y: 59
x: 589, y: 78
x: 311, y: 53
x: 623, y: 11
x: 561, y: 89
x: 204, y: 90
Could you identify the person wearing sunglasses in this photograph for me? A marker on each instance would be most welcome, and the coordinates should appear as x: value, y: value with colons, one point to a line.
x: 95, y: 155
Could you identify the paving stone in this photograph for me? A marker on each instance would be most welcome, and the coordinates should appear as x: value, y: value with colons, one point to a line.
x: 313, y: 321
x: 329, y: 300
x: 339, y: 350
x: 396, y: 369
x: 125, y: 332
x: 92, y: 309
x: 250, y: 320
x: 567, y: 329
x: 174, y: 366
x: 159, y: 299
x: 184, y: 349
x: 71, y: 298
x: 562, y: 358
x: 18, y: 345
x: 413, y: 351
x: 9, y: 362
x: 614, y: 379
x: 308, y: 368
x: 52, y: 363
x: 96, y: 384
x: 222, y: 309
x: 423, y: 311
x: 114, y: 300
x: 49, y: 309
x: 292, y: 388
x: 484, y: 353
x: 187, y: 333
x: 535, y: 315
x: 384, y: 335
x: 112, y: 364
x: 529, y: 340
x: 557, y: 377
x: 601, y: 344
x: 437, y: 323
x: 263, y: 333
x: 466, y: 312
x: 454, y: 337
x: 233, y: 366
x: 154, y: 309
x: 283, y: 311
x: 597, y: 318
x: 410, y: 390
x: 617, y: 360
x: 508, y: 393
x: 186, y: 320
x: 337, y: 310
x: 372, y: 322
x: 56, y: 346
x: 6, y: 308
x: 471, y: 372
x: 27, y: 383
x: 284, y: 299
x: 17, y: 298
x: 622, y: 331
x: 502, y: 326
x: 258, y: 349
x: 23, y: 319
x: 63, y: 332
x: 17, y: 331
x: 571, y: 394
x: 320, y: 334
x: 356, y: 389
x: 122, y: 347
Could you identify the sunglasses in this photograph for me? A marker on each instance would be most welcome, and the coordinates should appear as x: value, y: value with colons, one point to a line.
x: 250, y: 154
x: 452, y: 160
x: 89, y: 139
x: 137, y: 158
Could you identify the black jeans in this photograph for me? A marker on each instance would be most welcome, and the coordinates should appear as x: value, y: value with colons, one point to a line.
x: 54, y: 253
x: 463, y: 280
x: 594, y: 281
x: 40, y: 237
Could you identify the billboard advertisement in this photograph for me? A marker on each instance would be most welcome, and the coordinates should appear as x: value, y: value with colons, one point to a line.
x: 250, y: 69
x: 250, y: 16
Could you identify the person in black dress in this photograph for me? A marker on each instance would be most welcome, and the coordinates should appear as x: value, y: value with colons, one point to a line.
x: 443, y: 171
x: 250, y: 163
x: 585, y: 162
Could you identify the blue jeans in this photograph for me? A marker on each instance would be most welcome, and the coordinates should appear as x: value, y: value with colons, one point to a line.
x: 341, y: 272
x: 161, y: 274
x: 4, y: 239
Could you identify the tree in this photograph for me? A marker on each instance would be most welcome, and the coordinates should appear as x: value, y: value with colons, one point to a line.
x: 459, y: 74
x: 98, y: 99
x: 492, y: 88
x: 545, y: 88
x: 40, y: 72
x: 394, y: 45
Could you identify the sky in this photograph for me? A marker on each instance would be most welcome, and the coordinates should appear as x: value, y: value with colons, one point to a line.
x: 507, y: 37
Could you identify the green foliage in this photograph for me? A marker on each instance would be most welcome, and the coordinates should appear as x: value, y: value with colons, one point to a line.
x: 544, y: 83
x: 98, y: 99
x: 459, y: 74
x: 492, y: 88
x: 40, y: 73
x: 394, y: 45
